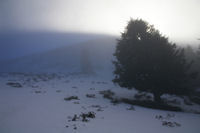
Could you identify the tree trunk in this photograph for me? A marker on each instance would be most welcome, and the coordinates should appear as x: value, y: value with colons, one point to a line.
x: 157, y: 97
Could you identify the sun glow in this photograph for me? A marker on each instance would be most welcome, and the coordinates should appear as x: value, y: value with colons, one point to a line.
x: 170, y: 18
x: 177, y: 19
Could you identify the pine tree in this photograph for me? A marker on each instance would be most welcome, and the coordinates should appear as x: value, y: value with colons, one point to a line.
x: 147, y: 61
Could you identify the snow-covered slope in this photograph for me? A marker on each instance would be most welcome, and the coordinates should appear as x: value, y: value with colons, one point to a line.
x: 38, y: 106
x: 92, y: 56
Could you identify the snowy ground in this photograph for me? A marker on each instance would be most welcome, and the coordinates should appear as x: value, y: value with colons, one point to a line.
x: 39, y: 107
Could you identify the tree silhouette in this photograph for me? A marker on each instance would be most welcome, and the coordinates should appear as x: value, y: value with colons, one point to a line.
x: 147, y: 61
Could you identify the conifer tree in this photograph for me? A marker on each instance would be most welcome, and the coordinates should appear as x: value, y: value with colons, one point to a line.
x: 147, y: 61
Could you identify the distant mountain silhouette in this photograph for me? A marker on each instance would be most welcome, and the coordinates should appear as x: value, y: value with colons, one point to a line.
x: 18, y: 44
x: 92, y: 56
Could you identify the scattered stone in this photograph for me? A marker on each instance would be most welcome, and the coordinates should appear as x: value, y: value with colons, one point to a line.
x: 99, y: 82
x: 100, y: 109
x: 71, y: 98
x: 76, y: 102
x: 170, y: 116
x: 84, y: 117
x: 74, y: 87
x: 115, y: 101
x: 14, y: 84
x: 177, y: 124
x: 159, y: 117
x: 74, y: 118
x: 166, y: 120
x: 95, y: 106
x: 83, y: 107
x: 38, y: 92
x: 170, y: 124
x: 104, y: 82
x: 130, y: 108
x: 167, y: 123
x: 75, y: 127
x: 107, y: 94
x: 90, y: 95
x: 58, y: 91
x: 92, y: 88
x: 34, y: 86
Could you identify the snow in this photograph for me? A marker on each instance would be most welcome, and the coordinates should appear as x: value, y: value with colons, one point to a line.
x: 39, y: 107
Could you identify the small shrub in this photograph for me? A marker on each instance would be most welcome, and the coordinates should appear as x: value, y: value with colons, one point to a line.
x: 90, y: 95
x: 151, y: 104
x: 14, y: 84
x: 71, y: 98
x: 107, y: 94
x: 38, y: 92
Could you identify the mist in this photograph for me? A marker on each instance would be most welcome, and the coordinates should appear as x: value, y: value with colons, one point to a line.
x: 30, y: 27
x: 99, y: 66
x: 18, y: 44
x: 177, y: 19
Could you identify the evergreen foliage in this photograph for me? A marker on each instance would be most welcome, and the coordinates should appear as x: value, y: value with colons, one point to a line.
x: 147, y: 61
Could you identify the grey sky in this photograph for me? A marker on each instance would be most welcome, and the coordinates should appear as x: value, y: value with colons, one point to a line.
x: 177, y: 19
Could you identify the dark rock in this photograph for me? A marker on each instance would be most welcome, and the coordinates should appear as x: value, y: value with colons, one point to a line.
x: 115, y: 101
x: 107, y: 94
x: 100, y: 109
x: 14, y: 84
x: 85, y: 116
x: 170, y: 124
x: 159, y: 117
x: 38, y: 92
x: 76, y: 103
x: 71, y: 98
x: 90, y: 95
x: 131, y: 108
x: 74, y: 87
x: 92, y: 88
x: 58, y: 91
x: 74, y: 118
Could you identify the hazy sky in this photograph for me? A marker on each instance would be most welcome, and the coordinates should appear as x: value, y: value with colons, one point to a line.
x: 177, y: 19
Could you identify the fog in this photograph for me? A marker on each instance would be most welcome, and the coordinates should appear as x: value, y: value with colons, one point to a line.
x: 19, y: 44
x: 177, y: 19
x: 90, y: 66
x: 29, y: 27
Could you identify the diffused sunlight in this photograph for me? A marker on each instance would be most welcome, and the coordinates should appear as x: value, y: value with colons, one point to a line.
x: 177, y: 19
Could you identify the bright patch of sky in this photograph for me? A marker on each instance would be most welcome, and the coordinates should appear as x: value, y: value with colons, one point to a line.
x: 177, y: 19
